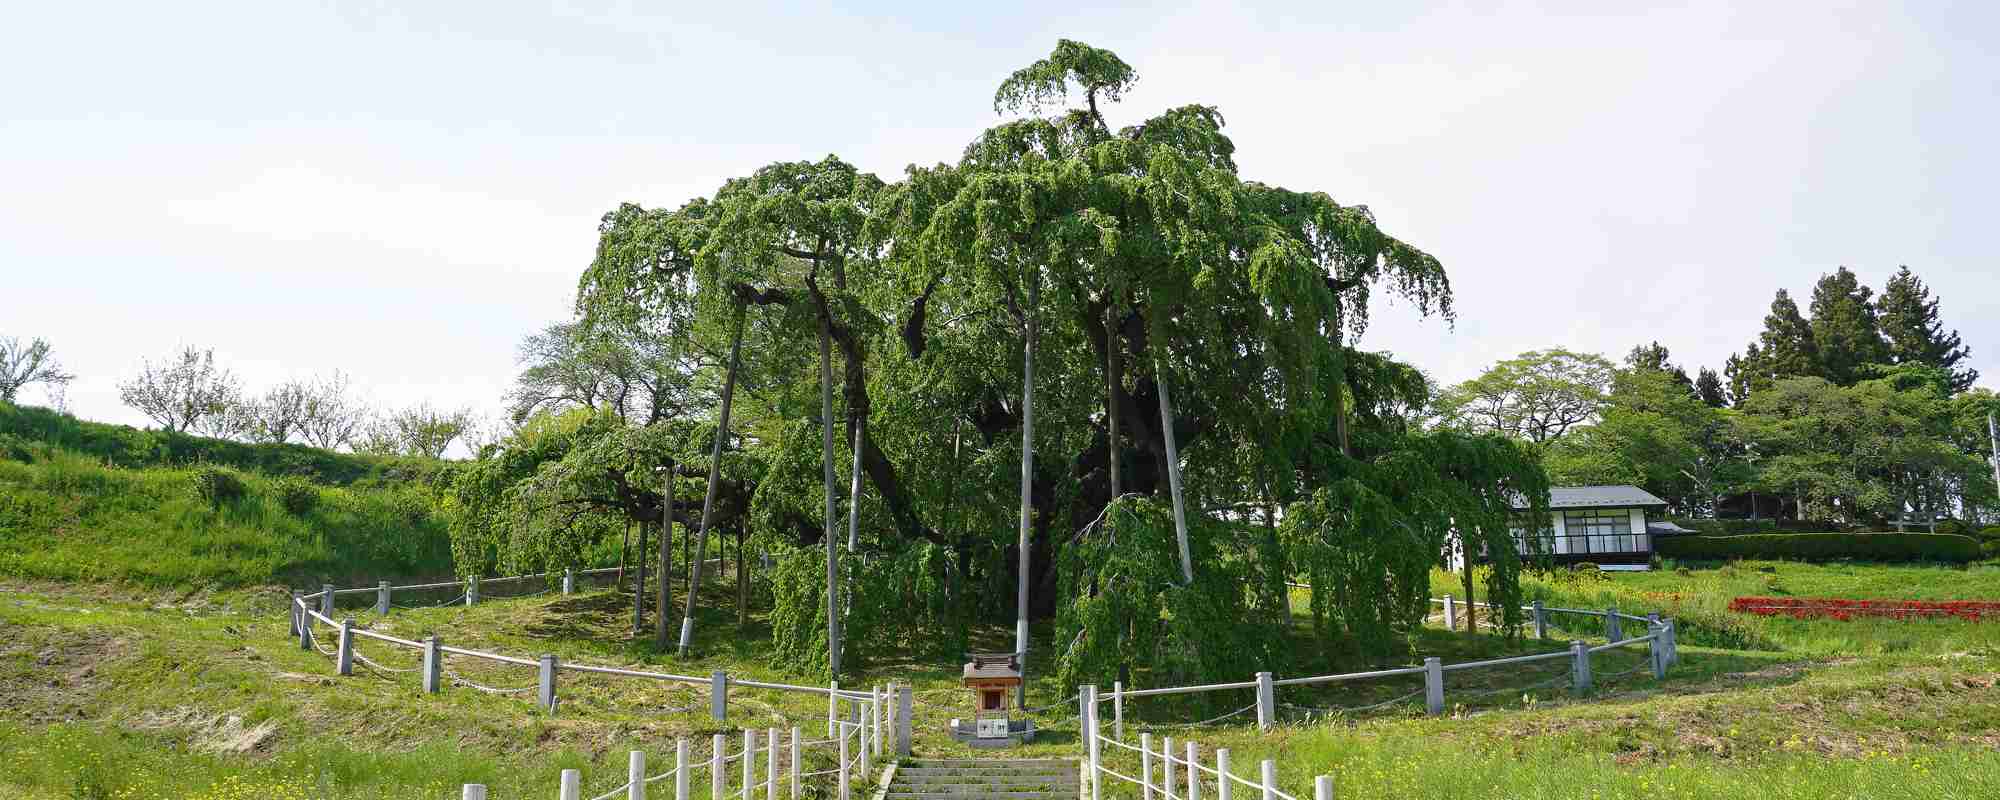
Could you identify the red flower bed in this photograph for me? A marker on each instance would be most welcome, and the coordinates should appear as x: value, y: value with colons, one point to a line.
x: 1836, y: 608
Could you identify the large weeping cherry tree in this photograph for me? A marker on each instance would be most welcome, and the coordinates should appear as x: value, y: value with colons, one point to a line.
x: 1186, y: 344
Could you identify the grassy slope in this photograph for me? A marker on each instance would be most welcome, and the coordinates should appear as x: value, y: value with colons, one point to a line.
x: 107, y: 696
x: 68, y: 517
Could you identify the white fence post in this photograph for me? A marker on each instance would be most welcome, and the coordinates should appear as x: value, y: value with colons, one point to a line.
x: 382, y: 597
x: 293, y: 612
x: 1580, y: 669
x: 797, y: 774
x: 1612, y: 630
x: 472, y: 791
x: 875, y: 706
x: 344, y: 660
x: 1167, y: 767
x: 771, y: 763
x: 842, y: 775
x: 1323, y: 787
x: 546, y: 685
x: 1433, y: 686
x: 305, y: 630
x: 1268, y: 776
x: 1450, y: 613
x: 572, y: 785
x: 569, y: 580
x: 1267, y: 702
x: 433, y: 665
x: 718, y: 696
x: 832, y: 706
x: 718, y: 769
x: 1118, y: 710
x: 1091, y: 751
x: 864, y: 739
x: 1222, y: 787
x: 749, y: 762
x: 1193, y: 771
x: 1146, y: 766
x: 1541, y: 621
x: 635, y: 772
x: 1656, y: 649
x: 905, y: 706
x: 326, y: 600
x: 472, y: 591
x: 681, y: 769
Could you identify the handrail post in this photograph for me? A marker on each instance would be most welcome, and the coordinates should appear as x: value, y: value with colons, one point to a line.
x: 1090, y: 730
x: 1267, y: 701
x: 635, y: 772
x: 1167, y: 767
x: 1541, y: 621
x: 1146, y: 766
x: 433, y: 665
x: 681, y: 768
x: 842, y: 776
x: 344, y: 660
x: 1118, y: 710
x: 1323, y: 787
x: 1450, y: 613
x: 905, y: 706
x: 1193, y: 770
x: 1612, y: 630
x: 546, y: 689
x: 797, y: 775
x: 718, y: 772
x: 326, y: 600
x: 1268, y: 775
x: 718, y: 695
x: 1433, y: 686
x: 750, y: 761
x: 865, y: 740
x: 771, y: 763
x: 1580, y: 668
x: 293, y: 612
x: 382, y: 589
x: 572, y: 785
x: 1222, y: 781
x: 472, y: 591
x: 875, y: 706
x: 472, y: 791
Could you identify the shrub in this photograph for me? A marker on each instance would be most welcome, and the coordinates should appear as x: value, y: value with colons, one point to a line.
x: 217, y: 485
x: 1824, y: 546
x: 297, y: 495
x: 1990, y: 533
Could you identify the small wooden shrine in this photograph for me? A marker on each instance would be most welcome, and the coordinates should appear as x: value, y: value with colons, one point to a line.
x: 993, y: 679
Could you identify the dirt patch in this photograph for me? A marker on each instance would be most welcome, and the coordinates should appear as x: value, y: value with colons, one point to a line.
x: 50, y: 674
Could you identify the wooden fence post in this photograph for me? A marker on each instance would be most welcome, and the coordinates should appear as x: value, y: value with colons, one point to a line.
x: 572, y: 785
x: 1450, y: 613
x: 1268, y: 776
x: 635, y: 773
x: 718, y: 696
x: 1580, y: 667
x: 1146, y: 766
x: 546, y: 694
x: 382, y: 597
x: 1222, y: 787
x: 681, y: 768
x: 433, y: 665
x: 718, y: 769
x: 1267, y: 702
x: 1541, y: 621
x: 344, y: 660
x: 905, y: 706
x: 1433, y: 686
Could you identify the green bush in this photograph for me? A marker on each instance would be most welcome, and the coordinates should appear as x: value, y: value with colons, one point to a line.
x: 1990, y: 532
x: 297, y: 495
x: 217, y: 486
x: 1823, y: 546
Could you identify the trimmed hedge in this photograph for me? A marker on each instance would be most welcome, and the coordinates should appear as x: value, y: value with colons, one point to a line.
x: 1822, y: 546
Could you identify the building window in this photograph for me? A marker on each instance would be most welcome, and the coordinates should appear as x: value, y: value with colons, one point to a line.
x: 1541, y: 542
x: 1600, y: 531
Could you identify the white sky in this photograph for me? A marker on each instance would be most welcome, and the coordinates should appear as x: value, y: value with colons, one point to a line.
x: 402, y: 193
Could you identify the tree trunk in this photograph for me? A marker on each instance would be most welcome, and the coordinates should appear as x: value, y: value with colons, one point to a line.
x: 1027, y: 477
x: 639, y: 587
x: 624, y: 550
x: 1111, y: 380
x: 854, y: 489
x: 663, y: 602
x: 1471, y: 610
x: 1159, y: 344
x: 826, y: 462
x: 714, y: 477
x: 742, y: 581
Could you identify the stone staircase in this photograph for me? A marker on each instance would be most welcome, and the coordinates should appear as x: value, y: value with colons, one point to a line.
x: 984, y: 779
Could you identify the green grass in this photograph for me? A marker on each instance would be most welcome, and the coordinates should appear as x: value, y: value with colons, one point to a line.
x: 67, y: 517
x: 104, y: 694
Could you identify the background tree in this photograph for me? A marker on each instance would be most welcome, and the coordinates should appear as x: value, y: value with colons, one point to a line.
x: 1655, y: 356
x: 184, y: 392
x: 1785, y: 348
x: 330, y: 417
x: 1537, y: 396
x: 428, y: 431
x: 24, y: 365
x: 1912, y: 333
x: 279, y: 413
x: 1844, y: 330
x: 635, y: 373
x: 1708, y: 387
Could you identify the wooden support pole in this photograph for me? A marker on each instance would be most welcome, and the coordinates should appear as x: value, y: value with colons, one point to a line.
x: 661, y: 600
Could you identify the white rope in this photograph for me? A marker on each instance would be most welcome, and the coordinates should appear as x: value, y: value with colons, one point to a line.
x: 614, y: 792
x: 1351, y: 709
x: 662, y: 776
x: 372, y: 665
x: 460, y: 679
x: 1150, y: 726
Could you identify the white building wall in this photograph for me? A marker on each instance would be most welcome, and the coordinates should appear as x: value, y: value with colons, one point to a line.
x: 1641, y: 537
